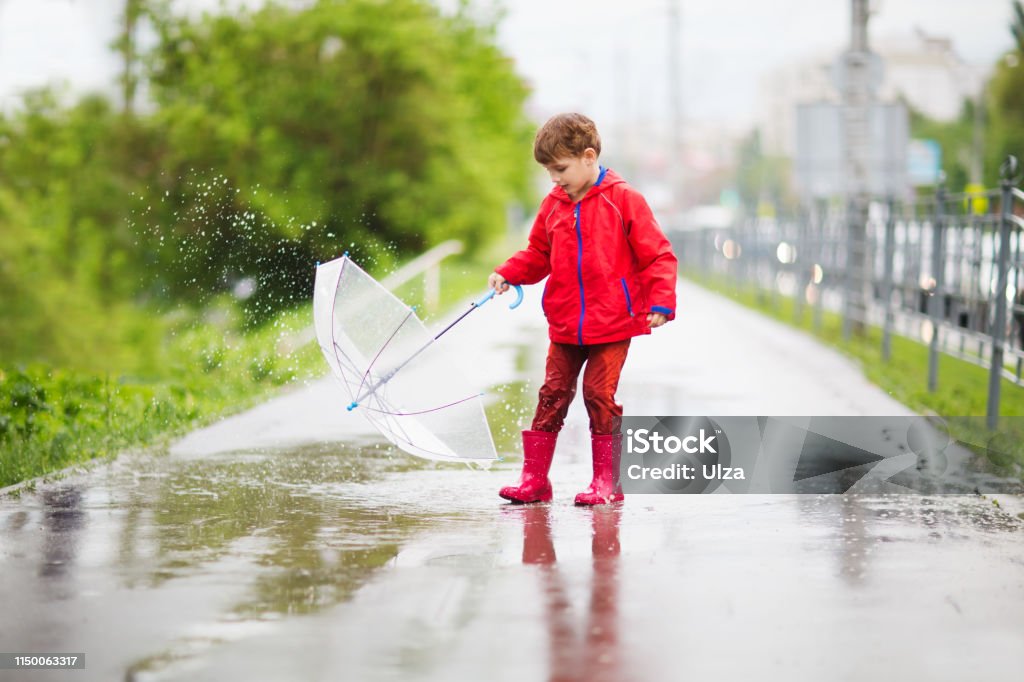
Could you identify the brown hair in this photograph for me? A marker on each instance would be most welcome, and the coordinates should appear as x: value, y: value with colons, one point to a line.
x: 563, y: 136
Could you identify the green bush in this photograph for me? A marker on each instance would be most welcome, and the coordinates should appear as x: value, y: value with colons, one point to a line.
x: 51, y: 418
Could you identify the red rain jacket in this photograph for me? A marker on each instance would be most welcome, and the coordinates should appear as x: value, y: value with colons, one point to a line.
x: 609, y: 264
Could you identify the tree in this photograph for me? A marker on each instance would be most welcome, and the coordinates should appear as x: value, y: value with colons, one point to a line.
x: 373, y: 125
x: 955, y: 138
x: 274, y: 139
x: 1006, y: 102
x: 126, y: 45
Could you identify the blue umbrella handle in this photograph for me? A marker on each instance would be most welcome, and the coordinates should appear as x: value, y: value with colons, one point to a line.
x: 492, y: 292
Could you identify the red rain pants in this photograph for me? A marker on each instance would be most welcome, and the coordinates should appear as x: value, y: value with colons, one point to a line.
x: 600, y: 380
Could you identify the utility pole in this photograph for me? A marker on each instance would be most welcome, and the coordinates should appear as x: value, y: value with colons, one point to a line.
x: 622, y: 94
x: 675, y: 106
x: 860, y: 76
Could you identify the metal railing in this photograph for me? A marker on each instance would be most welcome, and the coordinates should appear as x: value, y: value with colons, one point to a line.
x: 945, y: 270
x: 428, y: 265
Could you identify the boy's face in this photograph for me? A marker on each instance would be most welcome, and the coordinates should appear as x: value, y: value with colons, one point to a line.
x: 574, y: 174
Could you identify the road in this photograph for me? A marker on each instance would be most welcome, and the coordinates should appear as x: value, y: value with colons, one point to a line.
x: 288, y: 543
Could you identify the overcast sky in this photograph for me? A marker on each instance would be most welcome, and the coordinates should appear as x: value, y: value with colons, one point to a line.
x: 606, y: 57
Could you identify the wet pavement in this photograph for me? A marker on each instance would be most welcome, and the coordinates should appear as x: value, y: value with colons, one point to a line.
x: 289, y: 543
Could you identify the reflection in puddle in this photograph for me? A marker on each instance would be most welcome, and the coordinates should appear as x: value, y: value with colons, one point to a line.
x: 593, y: 653
x: 288, y: 514
x: 63, y: 519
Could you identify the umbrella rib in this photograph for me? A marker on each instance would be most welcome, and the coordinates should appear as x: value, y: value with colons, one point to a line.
x: 334, y: 324
x: 355, y: 370
x: 433, y: 409
x: 348, y: 363
x: 338, y: 352
x: 382, y: 349
x: 405, y: 414
x: 399, y: 435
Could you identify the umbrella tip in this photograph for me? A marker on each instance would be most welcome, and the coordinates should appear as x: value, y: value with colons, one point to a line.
x: 318, y: 263
x: 345, y: 255
x: 353, y: 406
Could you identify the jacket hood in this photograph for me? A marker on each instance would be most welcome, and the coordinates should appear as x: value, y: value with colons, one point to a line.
x: 607, y: 179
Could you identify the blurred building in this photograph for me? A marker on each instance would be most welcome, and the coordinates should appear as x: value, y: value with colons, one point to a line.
x: 923, y: 70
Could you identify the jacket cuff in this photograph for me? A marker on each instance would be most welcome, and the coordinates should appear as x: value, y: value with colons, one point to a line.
x: 508, y: 273
x: 654, y: 308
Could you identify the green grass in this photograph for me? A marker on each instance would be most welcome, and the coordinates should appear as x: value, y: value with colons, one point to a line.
x: 962, y: 387
x: 52, y: 418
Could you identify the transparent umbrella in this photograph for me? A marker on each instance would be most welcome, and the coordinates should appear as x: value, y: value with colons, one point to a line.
x: 394, y: 371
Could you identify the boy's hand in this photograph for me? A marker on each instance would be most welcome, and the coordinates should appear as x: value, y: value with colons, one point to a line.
x: 498, y: 283
x: 656, y: 319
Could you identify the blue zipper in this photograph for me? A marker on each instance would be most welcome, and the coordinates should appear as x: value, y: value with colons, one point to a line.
x: 579, y: 257
x: 629, y: 301
x: 579, y: 271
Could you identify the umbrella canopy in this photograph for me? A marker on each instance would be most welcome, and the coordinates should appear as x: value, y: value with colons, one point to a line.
x: 406, y: 385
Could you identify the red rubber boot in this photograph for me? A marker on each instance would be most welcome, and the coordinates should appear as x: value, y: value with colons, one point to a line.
x: 534, y: 486
x: 605, y: 487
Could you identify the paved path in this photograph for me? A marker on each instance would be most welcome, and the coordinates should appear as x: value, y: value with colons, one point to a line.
x: 288, y: 544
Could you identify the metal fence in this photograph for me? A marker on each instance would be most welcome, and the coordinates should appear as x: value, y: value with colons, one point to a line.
x: 945, y: 270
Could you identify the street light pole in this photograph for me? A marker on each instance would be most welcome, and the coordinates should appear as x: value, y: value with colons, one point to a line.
x: 675, y: 105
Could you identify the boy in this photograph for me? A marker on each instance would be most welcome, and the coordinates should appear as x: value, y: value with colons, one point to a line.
x: 612, y: 277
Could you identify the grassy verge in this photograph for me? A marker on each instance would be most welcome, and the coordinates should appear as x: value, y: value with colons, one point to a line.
x: 962, y: 387
x: 52, y: 418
